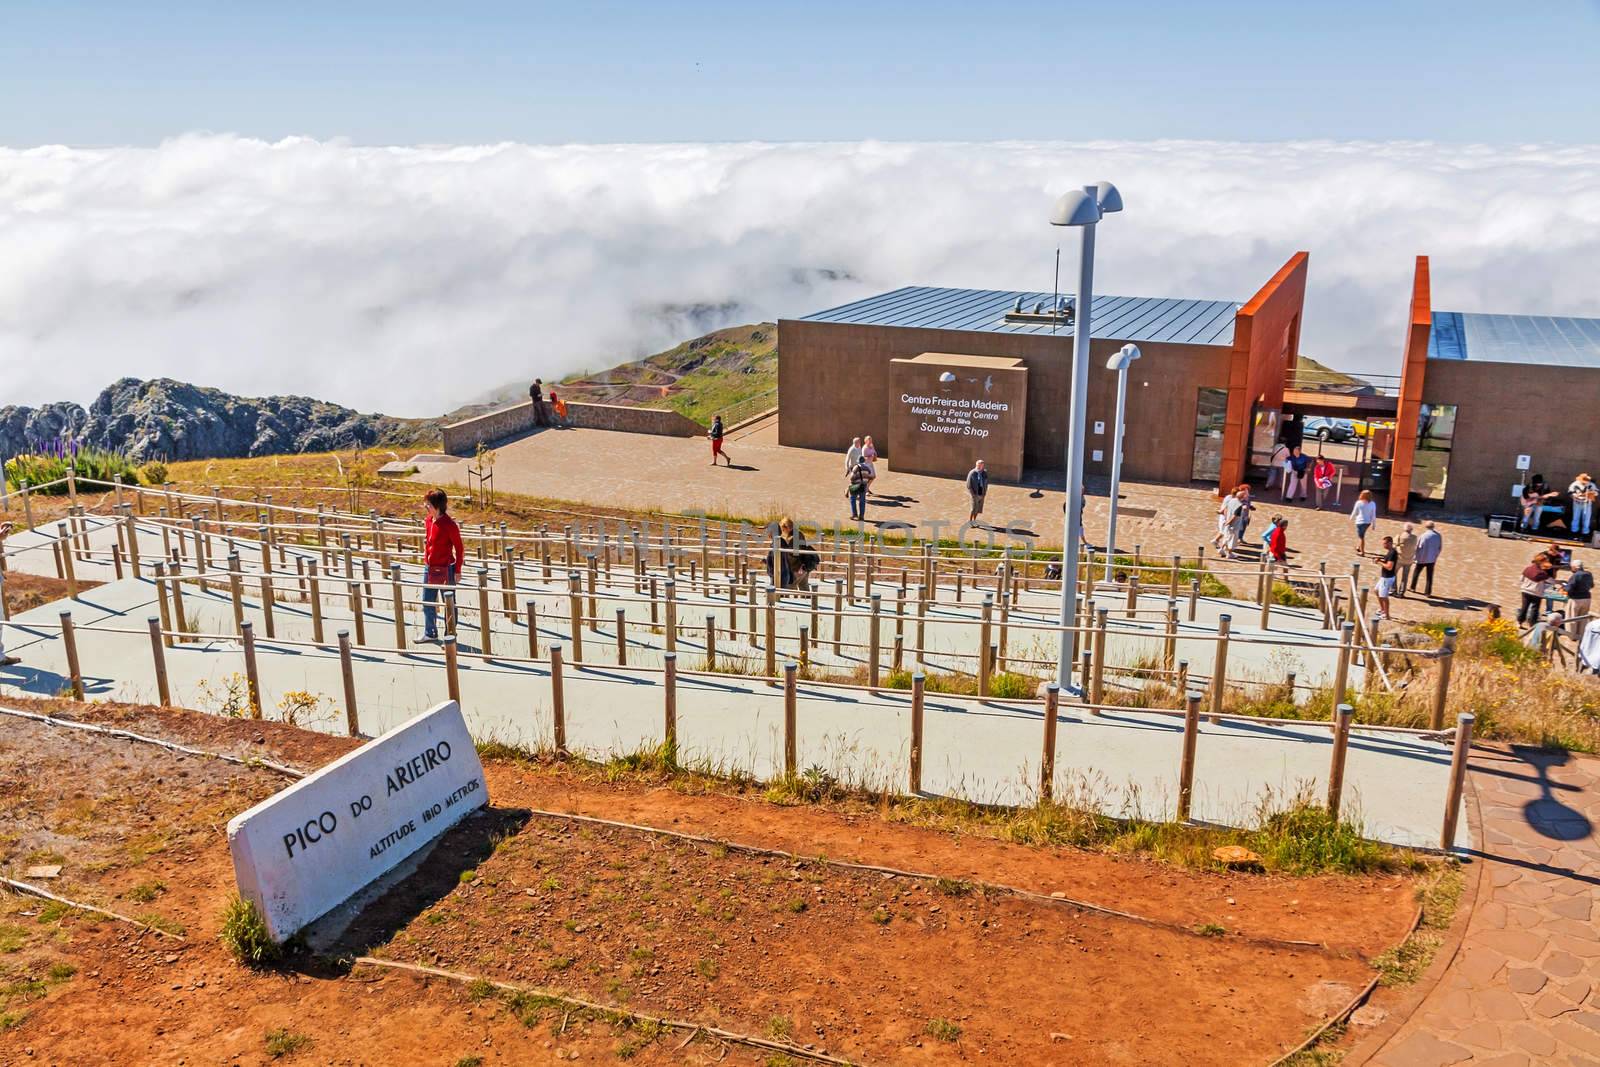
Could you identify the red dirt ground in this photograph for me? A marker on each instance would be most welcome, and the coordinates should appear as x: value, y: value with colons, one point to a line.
x: 852, y: 962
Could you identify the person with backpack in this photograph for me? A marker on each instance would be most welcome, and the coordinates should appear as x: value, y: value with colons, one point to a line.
x: 797, y: 559
x: 977, y: 487
x: 859, y: 479
x: 716, y: 441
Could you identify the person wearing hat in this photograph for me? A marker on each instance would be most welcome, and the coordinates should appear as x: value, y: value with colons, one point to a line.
x: 1580, y: 589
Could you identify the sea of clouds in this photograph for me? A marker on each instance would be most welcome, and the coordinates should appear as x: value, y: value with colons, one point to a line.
x: 413, y: 279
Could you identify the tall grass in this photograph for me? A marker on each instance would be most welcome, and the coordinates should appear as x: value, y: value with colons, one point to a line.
x: 96, y: 463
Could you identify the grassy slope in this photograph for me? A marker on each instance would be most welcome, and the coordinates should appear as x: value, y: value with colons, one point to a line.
x: 725, y: 369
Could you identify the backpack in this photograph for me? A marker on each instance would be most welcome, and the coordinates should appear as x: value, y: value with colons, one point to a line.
x: 858, y: 477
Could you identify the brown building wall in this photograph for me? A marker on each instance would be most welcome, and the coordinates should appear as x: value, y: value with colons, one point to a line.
x: 1413, y: 375
x: 1266, y: 341
x: 833, y: 384
x: 1504, y: 409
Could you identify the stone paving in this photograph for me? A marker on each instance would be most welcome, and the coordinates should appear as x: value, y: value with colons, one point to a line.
x: 1525, y: 986
x: 674, y: 474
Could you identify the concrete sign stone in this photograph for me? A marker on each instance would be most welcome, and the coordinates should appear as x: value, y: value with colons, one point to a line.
x: 302, y: 852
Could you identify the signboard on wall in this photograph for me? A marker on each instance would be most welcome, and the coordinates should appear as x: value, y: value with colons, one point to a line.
x: 301, y: 853
x: 947, y: 410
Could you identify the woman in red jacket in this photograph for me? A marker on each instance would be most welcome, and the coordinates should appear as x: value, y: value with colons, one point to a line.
x: 1278, y: 544
x: 442, y: 557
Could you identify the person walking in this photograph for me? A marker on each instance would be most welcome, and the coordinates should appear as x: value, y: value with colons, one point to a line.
x: 869, y: 456
x: 1429, y: 544
x: 1579, y: 588
x: 853, y: 456
x: 1322, y: 476
x: 1583, y: 494
x: 536, y: 397
x: 1388, y: 568
x: 442, y: 557
x: 1407, y: 545
x: 1364, y: 514
x: 977, y: 486
x: 857, y: 490
x: 1233, y: 519
x: 1278, y: 543
x: 5, y: 660
x: 797, y: 559
x: 1536, y: 578
x: 716, y: 441
x: 1300, y: 468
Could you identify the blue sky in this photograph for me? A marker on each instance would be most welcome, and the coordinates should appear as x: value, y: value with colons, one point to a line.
x: 102, y: 73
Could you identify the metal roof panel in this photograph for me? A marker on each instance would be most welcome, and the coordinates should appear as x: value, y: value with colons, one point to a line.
x: 1529, y: 340
x: 1122, y: 318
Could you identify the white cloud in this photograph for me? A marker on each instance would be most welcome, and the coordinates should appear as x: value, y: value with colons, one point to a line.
x: 412, y: 279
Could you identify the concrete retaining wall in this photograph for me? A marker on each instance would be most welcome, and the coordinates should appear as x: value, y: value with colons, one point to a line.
x: 462, y: 438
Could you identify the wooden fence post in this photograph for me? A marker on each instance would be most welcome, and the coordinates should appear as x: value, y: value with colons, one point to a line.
x: 1169, y: 650
x: 670, y: 701
x: 789, y: 701
x: 252, y: 677
x: 66, y: 559
x: 1458, y: 779
x: 1191, y: 735
x: 986, y: 621
x: 1219, y: 667
x: 352, y: 718
x: 874, y: 639
x: 1266, y: 593
x: 162, y: 593
x: 1341, y: 671
x: 316, y: 601
x: 159, y: 655
x: 266, y: 604
x: 1172, y: 578
x: 69, y: 638
x: 1194, y: 597
x: 532, y: 610
x: 918, y: 700
x: 1441, y: 688
x: 1047, y: 762
x: 1343, y: 715
x: 558, y: 704
x: 179, y: 623
x: 575, y: 610
x: 358, y: 613
x: 1097, y: 682
x: 452, y: 668
x: 770, y: 648
x: 398, y: 604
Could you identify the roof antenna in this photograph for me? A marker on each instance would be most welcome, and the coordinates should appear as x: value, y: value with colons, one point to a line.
x: 1057, y: 292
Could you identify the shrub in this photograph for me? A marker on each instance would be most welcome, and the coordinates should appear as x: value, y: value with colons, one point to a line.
x: 244, y: 932
x: 153, y: 473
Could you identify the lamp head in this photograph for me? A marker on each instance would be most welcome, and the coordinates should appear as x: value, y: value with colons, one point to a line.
x: 1076, y: 208
x: 1123, y: 358
x: 1106, y: 195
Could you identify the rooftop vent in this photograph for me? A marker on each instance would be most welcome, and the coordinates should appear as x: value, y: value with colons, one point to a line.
x: 1042, y: 313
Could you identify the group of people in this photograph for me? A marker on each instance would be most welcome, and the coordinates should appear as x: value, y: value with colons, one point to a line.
x: 553, y: 415
x: 1541, y: 578
x: 1300, y: 473
x: 1233, y: 519
x: 1405, y: 561
x: 1578, y: 514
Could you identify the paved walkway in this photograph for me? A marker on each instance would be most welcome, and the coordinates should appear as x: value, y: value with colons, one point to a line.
x: 673, y: 474
x: 1525, y: 987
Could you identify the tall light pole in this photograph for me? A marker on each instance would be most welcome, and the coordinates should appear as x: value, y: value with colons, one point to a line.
x: 1119, y: 363
x: 1082, y: 208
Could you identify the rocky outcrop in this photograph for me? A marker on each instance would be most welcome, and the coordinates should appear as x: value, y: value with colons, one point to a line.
x: 169, y: 420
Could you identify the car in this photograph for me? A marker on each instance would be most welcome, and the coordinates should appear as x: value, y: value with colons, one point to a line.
x: 1329, y: 429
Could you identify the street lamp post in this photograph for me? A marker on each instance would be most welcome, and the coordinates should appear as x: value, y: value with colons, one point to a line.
x: 1082, y: 208
x: 1119, y: 363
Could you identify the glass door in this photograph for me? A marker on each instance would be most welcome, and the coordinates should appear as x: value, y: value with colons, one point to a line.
x: 1211, y: 415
